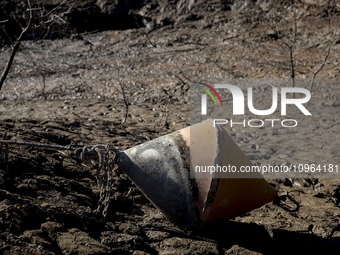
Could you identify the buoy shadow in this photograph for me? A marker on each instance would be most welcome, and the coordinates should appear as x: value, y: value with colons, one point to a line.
x: 267, y: 240
x: 251, y: 237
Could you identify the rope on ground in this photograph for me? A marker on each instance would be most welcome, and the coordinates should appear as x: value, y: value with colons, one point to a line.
x: 106, y: 156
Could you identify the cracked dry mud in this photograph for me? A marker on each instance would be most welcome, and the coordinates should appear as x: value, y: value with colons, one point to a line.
x: 67, y: 92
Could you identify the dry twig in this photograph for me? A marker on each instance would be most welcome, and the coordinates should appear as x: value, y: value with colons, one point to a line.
x: 15, y: 47
x: 325, y: 59
x: 164, y: 117
x: 51, y: 16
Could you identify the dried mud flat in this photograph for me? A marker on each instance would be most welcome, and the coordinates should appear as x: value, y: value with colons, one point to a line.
x: 83, y: 105
x: 134, y: 226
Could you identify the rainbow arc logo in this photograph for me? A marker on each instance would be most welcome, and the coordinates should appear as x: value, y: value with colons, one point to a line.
x: 209, y: 93
x: 204, y: 97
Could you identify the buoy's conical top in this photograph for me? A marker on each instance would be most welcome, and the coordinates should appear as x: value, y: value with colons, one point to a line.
x: 166, y: 171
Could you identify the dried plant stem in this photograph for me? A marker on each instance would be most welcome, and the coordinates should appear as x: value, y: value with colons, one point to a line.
x: 15, y: 47
x: 324, y: 60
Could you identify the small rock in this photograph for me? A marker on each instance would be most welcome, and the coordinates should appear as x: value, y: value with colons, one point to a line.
x: 296, y: 184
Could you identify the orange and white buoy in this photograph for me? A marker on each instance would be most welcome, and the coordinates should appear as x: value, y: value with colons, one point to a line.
x: 165, y: 170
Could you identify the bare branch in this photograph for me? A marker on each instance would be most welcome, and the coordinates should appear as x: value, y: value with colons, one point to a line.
x: 15, y: 44
x: 9, y: 63
x: 125, y: 99
x: 235, y: 75
x: 5, y: 31
x: 15, y: 47
x: 290, y: 47
x: 295, y: 25
x: 54, y: 9
x: 52, y: 18
x: 164, y: 118
x: 292, y: 67
x: 146, y: 34
x: 122, y: 86
x: 325, y: 59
